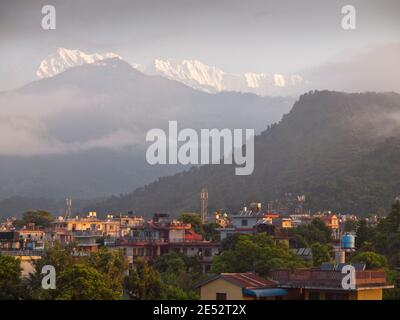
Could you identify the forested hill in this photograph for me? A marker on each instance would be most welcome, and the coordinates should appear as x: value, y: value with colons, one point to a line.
x: 342, y: 150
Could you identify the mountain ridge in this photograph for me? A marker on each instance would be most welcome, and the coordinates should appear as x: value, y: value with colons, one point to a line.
x: 190, y: 72
x: 82, y: 132
x: 328, y: 147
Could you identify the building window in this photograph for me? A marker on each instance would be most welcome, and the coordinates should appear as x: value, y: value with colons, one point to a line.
x: 220, y: 296
x: 313, y: 296
x: 244, y: 223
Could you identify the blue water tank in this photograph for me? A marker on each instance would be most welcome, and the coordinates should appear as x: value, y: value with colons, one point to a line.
x: 347, y: 241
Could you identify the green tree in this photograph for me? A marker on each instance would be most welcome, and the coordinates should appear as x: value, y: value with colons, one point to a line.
x: 178, y: 273
x: 194, y: 219
x: 112, y: 264
x: 40, y: 218
x: 10, y: 278
x: 81, y: 282
x: 321, y: 253
x: 364, y: 234
x: 171, y: 262
x: 393, y: 277
x: 350, y: 225
x: 57, y: 255
x: 230, y: 241
x: 210, y: 232
x: 371, y: 259
x: 316, y: 231
x: 391, y: 224
x: 143, y: 282
x: 259, y: 253
x: 175, y: 293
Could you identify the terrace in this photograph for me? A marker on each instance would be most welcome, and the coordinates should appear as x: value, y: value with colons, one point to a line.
x: 317, y: 278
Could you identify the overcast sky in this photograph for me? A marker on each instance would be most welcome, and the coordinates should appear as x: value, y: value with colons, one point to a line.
x: 254, y: 35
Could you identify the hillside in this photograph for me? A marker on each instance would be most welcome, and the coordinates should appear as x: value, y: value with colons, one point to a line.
x: 339, y: 149
x: 81, y: 133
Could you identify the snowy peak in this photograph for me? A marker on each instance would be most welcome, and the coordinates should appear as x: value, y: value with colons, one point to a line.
x: 64, y: 59
x: 260, y: 80
x: 192, y: 73
x: 212, y: 79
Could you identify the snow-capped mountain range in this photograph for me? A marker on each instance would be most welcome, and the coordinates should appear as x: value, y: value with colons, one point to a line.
x: 64, y: 59
x: 192, y: 73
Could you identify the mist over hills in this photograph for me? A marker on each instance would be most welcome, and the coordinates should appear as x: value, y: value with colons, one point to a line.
x: 82, y: 132
x: 339, y: 149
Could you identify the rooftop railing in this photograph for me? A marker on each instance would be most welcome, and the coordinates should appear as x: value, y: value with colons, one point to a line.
x: 20, y: 253
x: 326, y: 278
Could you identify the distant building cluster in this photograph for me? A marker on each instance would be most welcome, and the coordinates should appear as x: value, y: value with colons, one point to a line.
x: 149, y: 238
x: 137, y: 237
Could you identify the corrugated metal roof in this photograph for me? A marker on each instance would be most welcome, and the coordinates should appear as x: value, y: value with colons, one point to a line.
x: 248, y: 280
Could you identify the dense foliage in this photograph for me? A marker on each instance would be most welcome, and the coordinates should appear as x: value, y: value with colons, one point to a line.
x: 143, y: 282
x: 384, y: 238
x: 41, y: 219
x: 372, y: 260
x: 308, y: 234
x: 10, y: 280
x: 321, y: 253
x: 330, y: 147
x: 207, y: 230
x: 108, y: 266
x: 259, y: 253
x: 179, y: 273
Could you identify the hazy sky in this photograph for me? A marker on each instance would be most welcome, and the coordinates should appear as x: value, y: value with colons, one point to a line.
x: 261, y: 36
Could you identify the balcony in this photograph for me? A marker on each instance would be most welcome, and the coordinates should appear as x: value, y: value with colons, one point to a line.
x: 86, y: 234
x: 326, y: 278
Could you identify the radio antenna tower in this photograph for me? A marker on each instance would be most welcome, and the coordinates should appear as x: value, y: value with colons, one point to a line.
x: 68, y: 213
x: 204, y: 204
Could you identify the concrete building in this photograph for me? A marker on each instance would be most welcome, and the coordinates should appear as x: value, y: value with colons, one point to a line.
x: 317, y: 284
x: 298, y: 284
x: 239, y: 286
x: 161, y: 235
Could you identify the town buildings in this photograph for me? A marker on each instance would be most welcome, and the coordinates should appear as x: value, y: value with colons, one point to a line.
x: 239, y: 286
x: 148, y: 239
x: 298, y: 284
x: 162, y: 235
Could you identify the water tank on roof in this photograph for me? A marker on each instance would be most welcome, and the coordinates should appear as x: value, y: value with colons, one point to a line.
x: 347, y: 241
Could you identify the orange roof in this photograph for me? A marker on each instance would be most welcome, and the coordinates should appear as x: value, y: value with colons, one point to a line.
x: 271, y: 215
x: 248, y: 280
x: 192, y: 236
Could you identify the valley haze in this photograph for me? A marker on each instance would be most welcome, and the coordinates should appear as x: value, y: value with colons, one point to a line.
x: 75, y: 106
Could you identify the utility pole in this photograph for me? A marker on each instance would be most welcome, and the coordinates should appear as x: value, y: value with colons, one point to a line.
x: 69, y: 208
x: 204, y: 204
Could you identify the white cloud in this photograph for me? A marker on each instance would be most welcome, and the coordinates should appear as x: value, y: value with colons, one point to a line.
x: 374, y: 68
x: 28, y: 124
